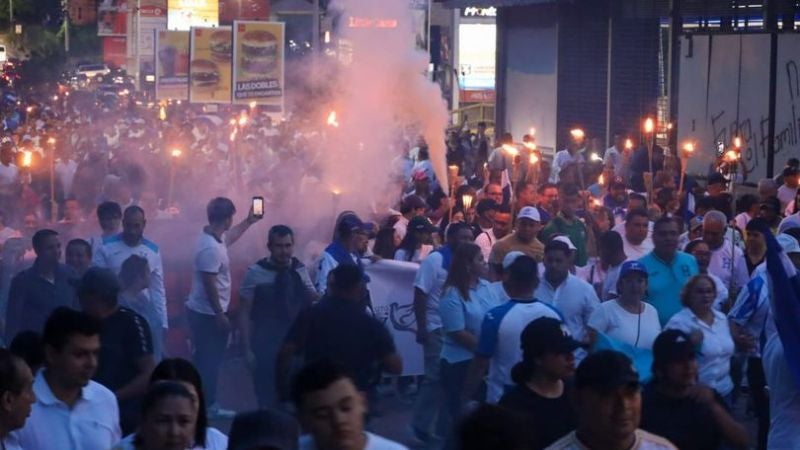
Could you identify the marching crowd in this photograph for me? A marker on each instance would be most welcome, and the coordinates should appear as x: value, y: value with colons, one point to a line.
x: 580, y: 303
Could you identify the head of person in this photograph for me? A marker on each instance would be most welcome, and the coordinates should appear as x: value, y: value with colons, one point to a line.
x: 699, y: 294
x: 548, y: 196
x: 520, y: 275
x: 547, y: 351
x: 413, y: 206
x: 134, y: 274
x: 637, y: 201
x: 616, y: 189
x: 71, y: 346
x: 607, y: 399
x: 16, y: 391
x: 570, y: 200
x: 632, y: 281
x: 6, y: 154
x: 748, y: 203
x: 612, y: 249
x: 675, y: 360
x: 78, y: 255
x: 557, y: 259
x: 637, y: 226
x: 72, y: 211
x: 267, y: 429
x: 495, y: 427
x: 182, y: 371
x: 527, y: 195
x: 665, y: 237
x: 494, y: 191
x: 97, y: 292
x: 280, y: 243
x: 352, y: 232
x: 701, y: 252
x: 457, y: 234
x: 109, y: 216
x: 220, y: 212
x: 329, y: 406
x: 502, y: 222
x: 770, y: 210
x: 715, y: 184
x: 755, y: 240
x: 790, y: 246
x: 466, y: 268
x: 419, y: 232
x: 714, y: 226
x: 28, y: 345
x: 528, y: 224
x: 133, y: 224
x: 791, y: 177
x: 169, y: 417
x: 422, y: 183
x: 767, y: 188
x: 347, y: 282
x: 47, y: 246
x: 487, y: 209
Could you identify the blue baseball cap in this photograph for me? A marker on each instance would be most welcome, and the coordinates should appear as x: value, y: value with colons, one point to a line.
x: 632, y: 267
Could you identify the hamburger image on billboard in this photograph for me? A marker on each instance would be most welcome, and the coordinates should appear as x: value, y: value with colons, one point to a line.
x: 221, y: 45
x: 259, y: 55
x: 205, y: 75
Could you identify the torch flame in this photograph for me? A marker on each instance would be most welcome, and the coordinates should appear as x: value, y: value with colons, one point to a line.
x: 533, y: 159
x: 510, y: 149
x: 162, y: 113
x: 597, y: 203
x: 532, y: 132
x: 628, y: 144
x: 176, y: 152
x: 336, y: 192
x: 601, y: 180
x: 27, y: 158
x: 332, y: 120
x: 737, y: 142
x: 466, y: 200
x: 530, y: 145
x: 649, y: 125
x: 253, y: 104
x: 577, y: 133
x: 51, y: 141
x: 688, y: 147
x: 595, y: 157
x: 243, y: 119
x: 732, y: 155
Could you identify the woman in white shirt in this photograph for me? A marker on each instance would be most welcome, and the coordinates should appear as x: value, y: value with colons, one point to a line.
x: 709, y: 329
x: 416, y: 245
x: 628, y: 318
x: 183, y: 372
x: 702, y: 253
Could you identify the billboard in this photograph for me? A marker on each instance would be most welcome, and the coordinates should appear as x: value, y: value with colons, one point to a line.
x: 210, y: 65
x: 172, y: 65
x: 230, y: 10
x: 112, y: 18
x: 258, y: 57
x: 114, y: 51
x: 186, y: 14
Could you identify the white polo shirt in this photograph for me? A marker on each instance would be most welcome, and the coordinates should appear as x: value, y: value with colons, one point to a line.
x: 91, y: 424
x: 714, y: 361
x: 574, y: 298
x: 211, y: 256
x: 430, y: 279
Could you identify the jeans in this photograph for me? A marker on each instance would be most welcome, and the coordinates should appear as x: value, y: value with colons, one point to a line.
x: 757, y: 382
x: 209, y: 350
x: 453, y: 377
x: 429, y: 417
x: 264, y: 377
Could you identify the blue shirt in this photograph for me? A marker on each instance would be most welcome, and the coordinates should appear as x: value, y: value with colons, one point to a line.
x: 458, y: 314
x: 665, y: 281
x: 32, y: 298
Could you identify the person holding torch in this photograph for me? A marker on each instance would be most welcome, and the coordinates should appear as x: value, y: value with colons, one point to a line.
x: 571, y: 155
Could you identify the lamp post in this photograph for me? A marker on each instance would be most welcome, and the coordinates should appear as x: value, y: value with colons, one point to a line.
x: 53, y: 203
x: 649, y: 129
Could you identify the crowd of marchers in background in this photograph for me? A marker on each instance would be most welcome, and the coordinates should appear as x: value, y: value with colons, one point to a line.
x: 584, y: 302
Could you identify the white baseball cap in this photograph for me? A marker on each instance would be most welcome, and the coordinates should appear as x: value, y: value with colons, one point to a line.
x: 510, y: 258
x: 788, y: 243
x: 529, y: 212
x: 565, y: 240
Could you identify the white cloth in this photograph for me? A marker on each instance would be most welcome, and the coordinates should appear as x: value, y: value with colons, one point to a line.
x: 374, y: 442
x: 786, y: 195
x: 633, y: 251
x: 609, y: 289
x: 638, y: 330
x: 91, y: 424
x: 751, y: 314
x: 215, y: 440
x: 430, y: 280
x: 574, y: 298
x: 400, y: 227
x: 721, y: 261
x: 613, y: 157
x: 113, y: 253
x: 210, y: 256
x: 562, y: 158
x: 485, y: 241
x: 66, y: 174
x: 644, y: 441
x: 492, y: 293
x: 714, y: 361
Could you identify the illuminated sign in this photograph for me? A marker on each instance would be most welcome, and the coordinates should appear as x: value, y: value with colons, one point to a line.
x: 474, y: 11
x: 185, y: 14
x: 476, y: 55
x: 368, y: 22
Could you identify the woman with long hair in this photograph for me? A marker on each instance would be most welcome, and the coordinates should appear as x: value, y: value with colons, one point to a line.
x: 417, y: 243
x: 462, y: 313
x: 181, y: 371
x: 169, y: 412
x: 709, y: 329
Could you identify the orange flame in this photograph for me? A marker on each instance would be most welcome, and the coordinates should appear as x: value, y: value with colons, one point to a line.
x: 510, y: 149
x: 27, y: 158
x: 332, y: 121
x: 649, y: 125
x: 628, y: 144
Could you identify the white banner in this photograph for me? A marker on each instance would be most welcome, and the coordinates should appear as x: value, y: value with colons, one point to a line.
x: 391, y: 287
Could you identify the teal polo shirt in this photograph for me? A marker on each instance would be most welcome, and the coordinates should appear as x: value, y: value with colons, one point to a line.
x: 666, y: 280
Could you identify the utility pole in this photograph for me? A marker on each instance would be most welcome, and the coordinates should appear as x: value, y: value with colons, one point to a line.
x: 65, y: 7
x: 138, y: 43
x: 11, y: 16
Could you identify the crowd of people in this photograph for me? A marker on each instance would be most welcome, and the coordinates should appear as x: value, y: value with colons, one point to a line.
x: 578, y: 302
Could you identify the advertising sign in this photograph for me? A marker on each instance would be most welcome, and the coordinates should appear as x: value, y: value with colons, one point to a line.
x: 172, y: 65
x: 112, y: 19
x: 210, y: 65
x: 114, y: 51
x: 185, y: 14
x: 258, y: 64
x: 230, y: 10
x: 476, y: 56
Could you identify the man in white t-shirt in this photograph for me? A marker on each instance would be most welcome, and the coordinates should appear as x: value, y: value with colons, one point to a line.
x: 498, y: 349
x: 636, y: 239
x: 727, y: 261
x: 788, y: 190
x: 332, y: 411
x: 16, y: 390
x: 210, y: 295
x: 9, y: 179
x: 412, y: 206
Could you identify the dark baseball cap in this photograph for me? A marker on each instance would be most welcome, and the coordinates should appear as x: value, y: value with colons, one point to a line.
x: 546, y: 336
x: 412, y: 202
x: 421, y: 223
x: 605, y: 371
x: 716, y: 178
x: 617, y: 181
x: 771, y: 203
x: 353, y: 224
x: 673, y: 346
x: 265, y: 428
x: 486, y: 204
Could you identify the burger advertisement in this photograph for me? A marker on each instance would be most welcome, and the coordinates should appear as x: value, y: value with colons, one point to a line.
x: 172, y: 65
x: 210, y: 66
x: 258, y: 64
